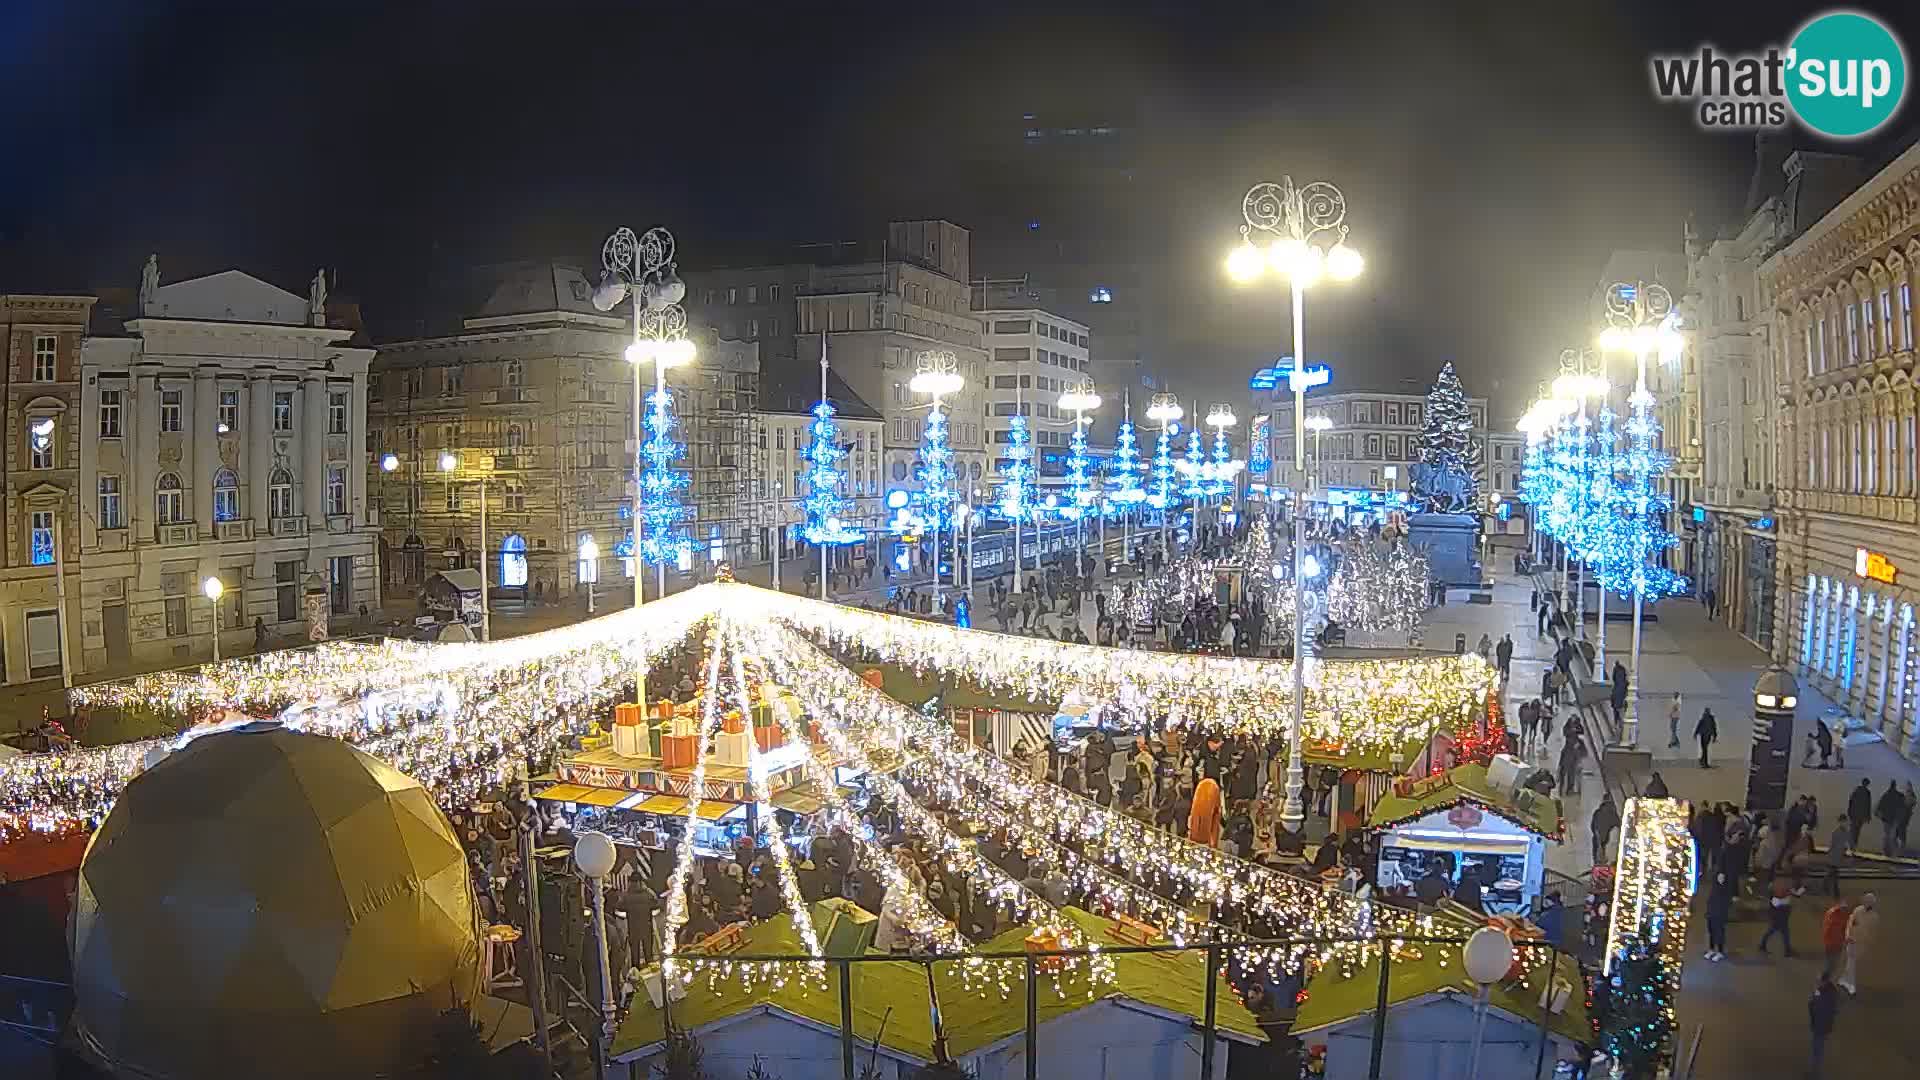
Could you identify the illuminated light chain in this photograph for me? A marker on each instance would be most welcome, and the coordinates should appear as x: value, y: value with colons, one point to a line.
x: 937, y: 496
x: 455, y: 719
x: 1222, y: 468
x: 957, y: 857
x: 798, y: 911
x: 1653, y: 882
x: 1163, y: 473
x: 1080, y: 496
x: 684, y: 854
x: 1364, y: 704
x: 662, y: 507
x: 1378, y: 586
x: 1642, y: 533
x: 1171, y: 594
x: 917, y: 917
x: 1016, y: 486
x: 1294, y: 906
x: 1194, y: 466
x: 1126, y: 468
x: 827, y: 510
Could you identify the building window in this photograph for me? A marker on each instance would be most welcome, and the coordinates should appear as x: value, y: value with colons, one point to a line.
x: 40, y: 526
x: 733, y: 295
x: 1853, y: 334
x: 109, y: 414
x: 226, y: 496
x: 340, y: 583
x: 283, y: 410
x: 773, y: 294
x: 453, y: 497
x: 110, y: 502
x: 42, y: 447
x: 229, y: 420
x: 170, y: 410
x: 753, y: 294
x: 169, y: 502
x: 453, y: 381
x: 1906, y: 315
x: 516, y: 436
x: 516, y: 374
x: 43, y: 644
x: 336, y: 413
x: 1820, y: 344
x: 336, y: 490
x: 515, y: 498
x: 280, y: 493
x: 46, y: 349
x: 286, y: 590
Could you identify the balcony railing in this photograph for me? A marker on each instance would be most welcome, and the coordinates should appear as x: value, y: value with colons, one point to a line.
x: 237, y: 529
x: 176, y: 534
x: 288, y: 526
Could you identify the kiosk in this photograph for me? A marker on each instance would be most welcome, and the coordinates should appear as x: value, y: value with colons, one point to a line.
x: 1470, y: 819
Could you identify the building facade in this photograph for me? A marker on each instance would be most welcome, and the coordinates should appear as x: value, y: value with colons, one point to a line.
x: 39, y: 613
x: 222, y: 433
x: 780, y: 486
x: 1374, y: 440
x: 1840, y: 301
x: 1033, y: 355
x: 532, y: 401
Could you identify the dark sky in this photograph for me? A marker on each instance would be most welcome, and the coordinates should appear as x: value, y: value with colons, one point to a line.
x: 1492, y: 153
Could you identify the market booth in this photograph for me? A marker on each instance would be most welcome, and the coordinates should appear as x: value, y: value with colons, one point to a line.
x: 1472, y: 818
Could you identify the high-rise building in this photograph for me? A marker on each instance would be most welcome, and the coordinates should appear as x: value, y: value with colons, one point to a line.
x: 1033, y: 356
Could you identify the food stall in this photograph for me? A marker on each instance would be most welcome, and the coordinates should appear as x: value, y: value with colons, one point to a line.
x: 1469, y: 819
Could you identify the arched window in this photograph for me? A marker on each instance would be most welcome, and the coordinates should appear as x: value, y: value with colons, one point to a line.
x: 516, y: 436
x: 516, y: 373
x: 513, y: 561
x: 226, y: 496
x: 280, y: 493
x: 169, y: 502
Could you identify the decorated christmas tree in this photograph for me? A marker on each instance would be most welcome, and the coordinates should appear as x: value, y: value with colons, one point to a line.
x: 1016, y: 478
x: 826, y: 509
x: 1194, y: 466
x: 662, y: 509
x: 1636, y: 1022
x: 1126, y: 468
x: 1079, y: 490
x: 937, y: 497
x: 1641, y: 528
x: 1451, y: 479
x: 1163, y: 470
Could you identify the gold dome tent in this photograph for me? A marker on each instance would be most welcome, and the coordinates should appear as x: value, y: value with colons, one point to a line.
x: 263, y: 902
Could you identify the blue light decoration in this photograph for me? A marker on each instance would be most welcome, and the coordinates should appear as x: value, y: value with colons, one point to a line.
x: 661, y: 507
x: 1642, y: 533
x: 825, y: 508
x: 1222, y: 465
x: 1259, y: 453
x: 1598, y: 503
x: 1163, y: 469
x: 1016, y: 480
x: 937, y: 497
x: 623, y: 547
x: 1127, y: 469
x: 1079, y: 490
x: 1194, y: 466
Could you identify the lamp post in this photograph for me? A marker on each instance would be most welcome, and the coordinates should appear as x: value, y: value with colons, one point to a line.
x: 973, y: 513
x: 1165, y: 410
x: 1080, y: 401
x: 449, y: 463
x: 1642, y: 321
x: 594, y: 854
x: 1221, y: 419
x: 589, y: 567
x: 1318, y: 424
x: 213, y: 588
x: 642, y: 267
x: 937, y: 375
x: 1305, y: 232
x: 1487, y: 956
x: 779, y: 526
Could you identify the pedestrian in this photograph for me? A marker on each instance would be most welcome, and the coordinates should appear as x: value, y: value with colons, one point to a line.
x: 1503, y: 653
x: 1823, y: 738
x: 1891, y: 809
x: 1484, y: 648
x: 1833, y: 934
x: 1540, y: 621
x: 1673, y: 722
x: 1719, y: 905
x: 1546, y: 685
x: 1862, y: 928
x: 1779, y: 911
x: 1859, y: 809
x: 1822, y: 1009
x: 1619, y: 696
x: 1838, y: 846
x: 1707, y: 730
x: 1571, y: 755
x: 1606, y: 818
x: 1657, y: 787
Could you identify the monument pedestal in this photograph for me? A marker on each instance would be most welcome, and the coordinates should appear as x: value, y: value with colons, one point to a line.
x: 1449, y: 541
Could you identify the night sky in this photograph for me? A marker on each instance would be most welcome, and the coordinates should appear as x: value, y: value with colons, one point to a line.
x: 1492, y: 154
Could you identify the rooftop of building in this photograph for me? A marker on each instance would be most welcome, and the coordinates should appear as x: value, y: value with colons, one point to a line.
x: 793, y: 388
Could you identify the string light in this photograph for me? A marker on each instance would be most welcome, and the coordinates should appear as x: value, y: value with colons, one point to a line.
x: 662, y: 507
x: 826, y: 509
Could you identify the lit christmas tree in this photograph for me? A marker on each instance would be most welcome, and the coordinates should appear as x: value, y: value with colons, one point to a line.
x: 826, y: 509
x: 1636, y: 1022
x: 661, y: 506
x: 1605, y: 542
x: 937, y: 497
x: 1079, y: 491
x: 1446, y: 441
x: 1194, y: 466
x: 1126, y: 468
x: 1016, y: 483
x: 1643, y: 510
x: 1163, y: 470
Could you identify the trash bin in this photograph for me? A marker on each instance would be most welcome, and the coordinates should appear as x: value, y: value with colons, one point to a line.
x: 1459, y: 644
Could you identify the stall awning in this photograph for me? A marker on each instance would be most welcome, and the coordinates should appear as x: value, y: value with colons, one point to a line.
x: 604, y: 797
x: 565, y: 793
x: 710, y: 809
x: 798, y: 802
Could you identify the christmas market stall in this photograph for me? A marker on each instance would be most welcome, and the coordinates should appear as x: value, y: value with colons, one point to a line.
x: 1472, y: 819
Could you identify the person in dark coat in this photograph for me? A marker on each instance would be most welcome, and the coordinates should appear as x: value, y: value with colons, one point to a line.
x: 1707, y: 730
x: 1606, y: 818
x: 1823, y: 735
x: 1657, y: 788
x: 1891, y: 810
x: 1467, y: 893
x: 1823, y: 1008
x: 1859, y: 809
x: 1619, y: 690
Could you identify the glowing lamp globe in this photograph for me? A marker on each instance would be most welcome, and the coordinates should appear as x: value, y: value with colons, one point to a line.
x: 1344, y: 263
x: 389, y: 462
x: 640, y: 352
x: 593, y: 853
x: 1246, y: 264
x: 1488, y: 955
x: 448, y: 463
x: 263, y: 902
x: 935, y: 383
x: 677, y: 353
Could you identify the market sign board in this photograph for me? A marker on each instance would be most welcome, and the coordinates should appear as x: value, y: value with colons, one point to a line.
x: 1874, y: 566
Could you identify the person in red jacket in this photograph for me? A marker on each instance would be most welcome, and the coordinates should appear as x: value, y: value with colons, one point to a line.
x: 1833, y: 933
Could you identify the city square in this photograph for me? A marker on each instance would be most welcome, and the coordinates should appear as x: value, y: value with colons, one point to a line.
x: 556, y: 611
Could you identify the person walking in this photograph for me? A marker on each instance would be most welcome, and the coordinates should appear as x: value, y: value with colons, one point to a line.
x: 1862, y: 927
x: 1833, y: 934
x: 1892, y: 807
x: 1619, y: 696
x: 1707, y: 730
x: 1906, y: 819
x: 1859, y: 809
x: 1823, y: 738
x: 1503, y: 656
x: 1572, y: 753
x: 1779, y: 914
x: 1673, y: 722
x: 1822, y: 1009
x: 1606, y: 818
x: 1719, y: 906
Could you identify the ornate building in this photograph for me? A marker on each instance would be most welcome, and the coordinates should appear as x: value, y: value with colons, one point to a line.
x: 1840, y: 299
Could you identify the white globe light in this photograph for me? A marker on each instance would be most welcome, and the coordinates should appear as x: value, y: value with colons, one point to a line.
x: 593, y: 853
x: 1310, y: 265
x: 1344, y: 263
x: 589, y: 550
x: 1285, y: 255
x: 1245, y: 263
x: 1309, y: 566
x: 448, y: 463
x: 389, y: 462
x: 1488, y: 955
x: 639, y: 352
x: 677, y: 353
x: 213, y: 587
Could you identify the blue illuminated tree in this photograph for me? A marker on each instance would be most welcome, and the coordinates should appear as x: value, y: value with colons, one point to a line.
x: 937, y: 498
x: 1079, y: 489
x: 1016, y: 479
x: 662, y: 508
x: 826, y: 508
x: 1194, y: 466
x: 1163, y: 470
x: 1222, y: 464
x: 1126, y: 468
x: 1642, y: 529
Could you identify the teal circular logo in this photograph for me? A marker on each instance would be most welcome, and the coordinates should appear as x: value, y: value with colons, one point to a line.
x: 1846, y: 74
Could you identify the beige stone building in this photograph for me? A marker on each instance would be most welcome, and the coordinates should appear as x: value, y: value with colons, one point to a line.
x: 1840, y: 299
